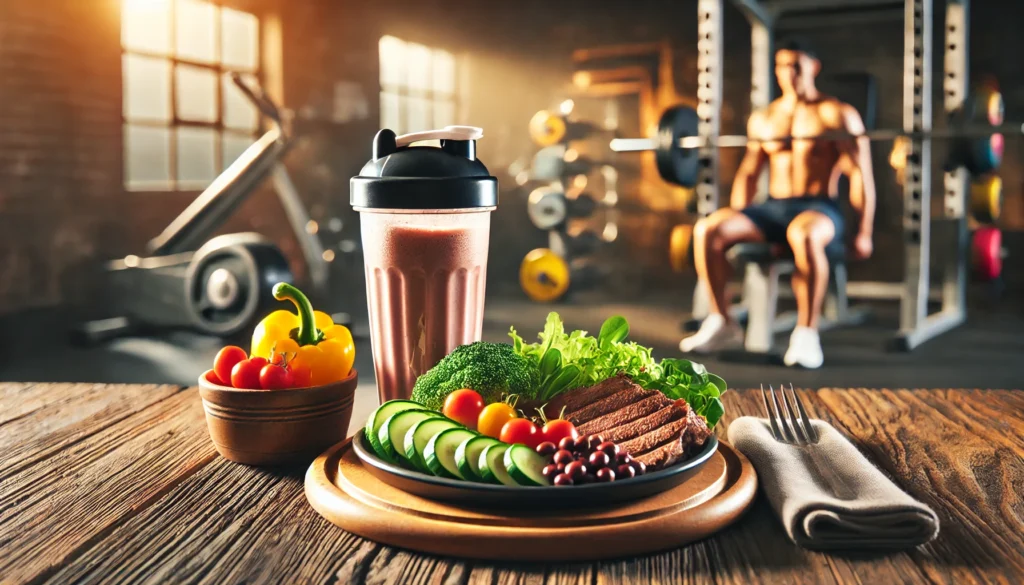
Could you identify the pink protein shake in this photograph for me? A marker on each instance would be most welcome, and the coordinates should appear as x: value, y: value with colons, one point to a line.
x: 425, y: 222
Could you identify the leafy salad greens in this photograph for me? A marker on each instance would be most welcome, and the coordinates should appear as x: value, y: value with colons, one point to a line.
x: 574, y: 360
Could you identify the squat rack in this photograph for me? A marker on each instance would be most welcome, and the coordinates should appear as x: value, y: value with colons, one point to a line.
x: 916, y: 324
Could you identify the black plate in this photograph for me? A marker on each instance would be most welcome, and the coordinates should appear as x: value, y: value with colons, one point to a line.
x: 485, y: 494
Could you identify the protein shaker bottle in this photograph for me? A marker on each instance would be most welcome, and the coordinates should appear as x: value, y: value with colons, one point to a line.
x: 425, y: 221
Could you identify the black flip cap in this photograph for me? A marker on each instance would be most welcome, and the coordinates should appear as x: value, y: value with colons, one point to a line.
x: 423, y: 177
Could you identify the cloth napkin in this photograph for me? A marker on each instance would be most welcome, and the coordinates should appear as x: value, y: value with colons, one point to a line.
x: 833, y: 498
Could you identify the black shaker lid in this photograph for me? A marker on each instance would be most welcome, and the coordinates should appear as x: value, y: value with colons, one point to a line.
x: 401, y: 176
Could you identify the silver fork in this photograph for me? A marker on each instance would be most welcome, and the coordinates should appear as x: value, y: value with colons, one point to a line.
x: 790, y: 423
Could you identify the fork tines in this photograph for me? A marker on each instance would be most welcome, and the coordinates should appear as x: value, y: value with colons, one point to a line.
x: 789, y: 420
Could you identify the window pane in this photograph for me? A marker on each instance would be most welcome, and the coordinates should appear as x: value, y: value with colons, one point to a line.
x: 444, y: 113
x: 147, y: 88
x: 195, y: 24
x: 232, y: 146
x: 391, y: 112
x: 239, y: 39
x: 420, y: 114
x: 197, y: 93
x: 196, y: 159
x: 444, y: 73
x: 392, y: 61
x: 147, y: 156
x: 146, y: 25
x: 239, y: 112
x: 418, y: 65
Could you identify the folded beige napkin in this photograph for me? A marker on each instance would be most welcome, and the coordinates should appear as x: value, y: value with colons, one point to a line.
x: 833, y: 497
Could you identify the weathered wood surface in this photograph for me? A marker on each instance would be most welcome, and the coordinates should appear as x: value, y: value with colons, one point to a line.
x: 122, y: 486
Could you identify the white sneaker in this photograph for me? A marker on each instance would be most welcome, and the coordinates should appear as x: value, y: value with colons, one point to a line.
x: 714, y: 334
x: 804, y: 349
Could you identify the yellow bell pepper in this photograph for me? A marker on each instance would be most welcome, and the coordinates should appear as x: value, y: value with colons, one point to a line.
x: 309, y: 339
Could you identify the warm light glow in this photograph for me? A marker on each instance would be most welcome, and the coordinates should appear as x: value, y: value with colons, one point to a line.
x: 611, y: 231
x: 312, y: 227
x: 522, y: 177
x: 566, y: 107
x: 145, y: 25
x: 581, y: 79
x: 131, y: 260
x: 571, y: 155
x: 580, y: 181
x: 328, y: 255
x: 611, y: 198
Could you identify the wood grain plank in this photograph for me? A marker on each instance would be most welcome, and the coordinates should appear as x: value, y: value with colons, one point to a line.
x: 53, y: 511
x: 50, y: 417
x: 939, y: 448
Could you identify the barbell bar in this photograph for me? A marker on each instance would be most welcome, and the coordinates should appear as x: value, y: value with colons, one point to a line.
x: 740, y: 141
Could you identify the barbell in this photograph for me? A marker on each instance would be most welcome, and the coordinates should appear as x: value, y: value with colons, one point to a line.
x: 677, y: 142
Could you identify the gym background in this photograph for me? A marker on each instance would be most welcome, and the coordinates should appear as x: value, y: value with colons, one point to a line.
x: 69, y: 201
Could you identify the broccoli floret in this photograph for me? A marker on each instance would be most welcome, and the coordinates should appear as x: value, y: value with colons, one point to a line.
x: 491, y: 369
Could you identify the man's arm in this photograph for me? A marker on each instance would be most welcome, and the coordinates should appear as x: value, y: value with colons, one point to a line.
x: 855, y: 163
x: 744, y: 185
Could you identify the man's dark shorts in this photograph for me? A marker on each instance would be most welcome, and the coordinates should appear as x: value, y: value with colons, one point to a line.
x: 774, y: 215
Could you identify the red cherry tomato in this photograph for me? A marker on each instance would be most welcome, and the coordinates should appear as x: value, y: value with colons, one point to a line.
x: 521, y: 430
x: 302, y: 376
x: 212, y: 378
x: 275, y: 377
x: 464, y: 406
x: 226, y: 360
x: 246, y: 373
x: 557, y: 429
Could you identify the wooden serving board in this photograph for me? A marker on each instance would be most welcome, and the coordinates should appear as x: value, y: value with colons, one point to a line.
x: 344, y: 492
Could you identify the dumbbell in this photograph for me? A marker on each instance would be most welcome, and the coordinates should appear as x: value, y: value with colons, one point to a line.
x: 554, y: 163
x: 680, y: 247
x: 565, y: 245
x: 545, y: 276
x: 549, y: 207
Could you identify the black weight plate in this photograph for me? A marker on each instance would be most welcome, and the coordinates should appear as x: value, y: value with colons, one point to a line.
x: 677, y: 165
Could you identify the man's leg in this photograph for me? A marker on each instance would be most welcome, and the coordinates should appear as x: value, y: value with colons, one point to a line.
x: 712, y: 238
x: 808, y: 235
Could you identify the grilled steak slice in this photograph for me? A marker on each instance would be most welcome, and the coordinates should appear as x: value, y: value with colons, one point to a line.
x: 578, y: 398
x: 657, y: 437
x: 610, y: 404
x: 625, y: 415
x: 643, y: 425
x: 688, y: 434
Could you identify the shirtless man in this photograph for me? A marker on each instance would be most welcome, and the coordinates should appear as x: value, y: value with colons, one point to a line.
x: 802, y: 210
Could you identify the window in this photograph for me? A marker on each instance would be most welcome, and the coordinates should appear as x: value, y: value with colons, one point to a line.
x: 184, y: 120
x: 417, y: 86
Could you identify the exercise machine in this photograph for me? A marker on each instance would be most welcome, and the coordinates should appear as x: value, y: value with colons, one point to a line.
x: 214, y: 285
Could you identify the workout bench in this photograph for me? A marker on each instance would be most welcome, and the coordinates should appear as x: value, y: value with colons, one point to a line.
x: 764, y: 266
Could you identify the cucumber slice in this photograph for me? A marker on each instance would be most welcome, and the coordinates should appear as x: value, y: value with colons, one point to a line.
x: 467, y: 456
x: 440, y: 451
x: 492, y: 465
x: 392, y: 432
x: 381, y: 414
x: 525, y: 465
x: 417, y: 437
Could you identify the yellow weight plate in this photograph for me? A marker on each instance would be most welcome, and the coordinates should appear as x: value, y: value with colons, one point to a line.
x: 679, y: 253
x: 987, y: 199
x: 546, y: 128
x: 544, y: 275
x: 989, y: 106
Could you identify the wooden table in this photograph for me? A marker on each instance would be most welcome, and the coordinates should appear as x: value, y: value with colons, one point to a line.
x: 111, y: 484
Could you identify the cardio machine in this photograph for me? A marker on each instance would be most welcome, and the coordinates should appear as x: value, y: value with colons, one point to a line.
x: 216, y: 286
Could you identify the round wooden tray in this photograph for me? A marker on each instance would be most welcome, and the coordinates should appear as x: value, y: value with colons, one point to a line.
x: 344, y: 492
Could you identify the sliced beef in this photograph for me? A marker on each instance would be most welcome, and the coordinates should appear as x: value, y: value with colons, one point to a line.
x: 656, y: 437
x: 578, y: 398
x: 608, y: 405
x: 696, y: 433
x: 663, y: 456
x: 625, y: 415
x: 643, y: 425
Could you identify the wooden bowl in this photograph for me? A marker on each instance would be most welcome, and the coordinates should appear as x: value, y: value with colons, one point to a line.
x: 277, y: 427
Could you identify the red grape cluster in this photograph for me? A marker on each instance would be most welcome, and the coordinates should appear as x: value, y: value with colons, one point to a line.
x: 587, y: 459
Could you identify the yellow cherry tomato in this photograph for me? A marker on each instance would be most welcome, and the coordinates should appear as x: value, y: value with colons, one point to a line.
x: 493, y: 417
